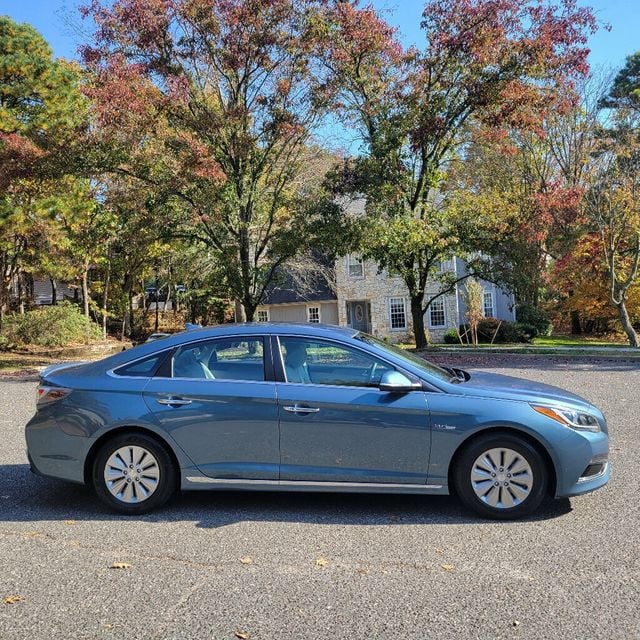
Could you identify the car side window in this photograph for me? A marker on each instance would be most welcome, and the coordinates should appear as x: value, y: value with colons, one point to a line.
x: 142, y: 368
x: 319, y: 362
x: 221, y: 359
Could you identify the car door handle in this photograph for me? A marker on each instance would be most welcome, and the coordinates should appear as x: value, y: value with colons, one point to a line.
x: 173, y: 402
x: 298, y: 409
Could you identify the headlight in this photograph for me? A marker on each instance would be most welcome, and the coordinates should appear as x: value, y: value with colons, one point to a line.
x: 569, y: 417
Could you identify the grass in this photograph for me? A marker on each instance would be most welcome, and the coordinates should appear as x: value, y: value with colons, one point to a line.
x: 15, y: 362
x: 577, y: 341
x: 559, y: 341
x: 12, y: 362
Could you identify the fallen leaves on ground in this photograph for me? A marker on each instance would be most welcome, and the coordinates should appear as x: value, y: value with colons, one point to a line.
x: 32, y: 534
x: 69, y: 522
x: 242, y: 635
x: 120, y: 565
x: 246, y: 560
x: 448, y: 567
x: 321, y: 562
x: 12, y: 599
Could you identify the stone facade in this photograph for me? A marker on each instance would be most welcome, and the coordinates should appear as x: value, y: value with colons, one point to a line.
x: 382, y: 294
x: 374, y: 302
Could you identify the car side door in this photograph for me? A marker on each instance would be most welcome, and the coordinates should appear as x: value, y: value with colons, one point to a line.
x: 217, y: 399
x: 336, y: 425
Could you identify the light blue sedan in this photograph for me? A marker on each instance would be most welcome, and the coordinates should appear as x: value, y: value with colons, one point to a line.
x: 309, y: 408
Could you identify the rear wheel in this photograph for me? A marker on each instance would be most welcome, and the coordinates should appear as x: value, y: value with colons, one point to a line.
x: 501, y: 476
x: 133, y: 473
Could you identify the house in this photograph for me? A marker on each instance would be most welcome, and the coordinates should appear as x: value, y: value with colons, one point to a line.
x: 39, y: 290
x: 365, y: 298
x: 315, y: 301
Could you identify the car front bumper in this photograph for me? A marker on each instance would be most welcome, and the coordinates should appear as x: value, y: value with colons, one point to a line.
x: 583, y: 464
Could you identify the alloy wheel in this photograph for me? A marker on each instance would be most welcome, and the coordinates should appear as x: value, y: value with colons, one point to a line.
x: 132, y: 474
x: 502, y: 478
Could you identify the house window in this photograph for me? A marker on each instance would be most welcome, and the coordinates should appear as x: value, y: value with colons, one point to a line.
x: 355, y: 266
x: 488, y: 304
x: 263, y: 315
x: 436, y: 313
x: 313, y: 315
x: 397, y: 313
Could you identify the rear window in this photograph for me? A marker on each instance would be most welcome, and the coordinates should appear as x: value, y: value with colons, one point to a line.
x: 141, y: 368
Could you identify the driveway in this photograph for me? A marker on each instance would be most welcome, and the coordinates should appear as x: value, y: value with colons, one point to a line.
x: 276, y: 566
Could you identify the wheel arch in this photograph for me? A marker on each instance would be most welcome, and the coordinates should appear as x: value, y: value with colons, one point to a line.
x: 119, y: 431
x: 512, y: 431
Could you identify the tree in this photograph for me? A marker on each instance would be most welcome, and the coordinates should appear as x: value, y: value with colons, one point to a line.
x: 474, y: 300
x: 613, y: 204
x: 41, y: 114
x: 625, y: 90
x: 213, y: 104
x: 502, y: 64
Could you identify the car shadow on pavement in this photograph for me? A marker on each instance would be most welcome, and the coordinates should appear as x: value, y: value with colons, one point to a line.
x: 26, y: 497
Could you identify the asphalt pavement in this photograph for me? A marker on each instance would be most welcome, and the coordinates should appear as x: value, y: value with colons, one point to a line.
x: 226, y: 565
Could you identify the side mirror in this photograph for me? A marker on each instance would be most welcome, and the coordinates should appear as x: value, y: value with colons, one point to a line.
x: 396, y: 382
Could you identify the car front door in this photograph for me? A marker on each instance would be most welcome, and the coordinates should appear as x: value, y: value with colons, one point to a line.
x: 217, y: 404
x: 335, y: 423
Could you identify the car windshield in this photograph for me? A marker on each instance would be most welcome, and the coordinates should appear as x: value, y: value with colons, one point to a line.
x: 416, y: 361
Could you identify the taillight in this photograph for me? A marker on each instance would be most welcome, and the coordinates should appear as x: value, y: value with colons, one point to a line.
x: 51, y: 394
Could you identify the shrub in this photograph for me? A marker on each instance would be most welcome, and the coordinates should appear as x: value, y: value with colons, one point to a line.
x: 501, y: 331
x: 451, y: 337
x: 51, y: 326
x: 529, y: 315
x: 517, y: 332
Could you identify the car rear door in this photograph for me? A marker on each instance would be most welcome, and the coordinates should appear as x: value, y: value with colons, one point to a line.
x: 337, y: 426
x: 217, y: 400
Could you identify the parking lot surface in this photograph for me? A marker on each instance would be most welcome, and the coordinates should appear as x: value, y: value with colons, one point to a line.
x: 295, y: 566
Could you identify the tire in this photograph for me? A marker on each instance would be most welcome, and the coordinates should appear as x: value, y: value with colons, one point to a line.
x: 133, y: 474
x: 501, y: 476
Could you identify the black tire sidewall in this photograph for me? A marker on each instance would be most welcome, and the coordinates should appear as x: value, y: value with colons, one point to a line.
x: 166, y: 486
x: 462, y: 476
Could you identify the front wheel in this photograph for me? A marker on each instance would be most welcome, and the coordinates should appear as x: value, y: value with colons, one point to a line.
x: 501, y: 476
x: 133, y: 474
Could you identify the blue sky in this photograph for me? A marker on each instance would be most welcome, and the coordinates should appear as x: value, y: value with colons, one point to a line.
x: 58, y: 20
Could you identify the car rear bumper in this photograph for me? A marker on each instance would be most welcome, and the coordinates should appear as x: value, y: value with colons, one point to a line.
x: 54, y: 453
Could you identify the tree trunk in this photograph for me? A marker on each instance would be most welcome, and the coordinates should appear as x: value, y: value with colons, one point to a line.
x: 576, y: 327
x: 21, y: 293
x: 249, y: 309
x: 3, y: 297
x: 85, y: 291
x: 54, y: 290
x: 105, y: 300
x: 131, y: 318
x: 156, y: 323
x: 418, y: 322
x: 626, y: 325
x: 167, y: 299
x: 240, y: 312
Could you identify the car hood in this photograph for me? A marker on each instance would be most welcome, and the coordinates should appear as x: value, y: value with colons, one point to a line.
x: 495, y: 385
